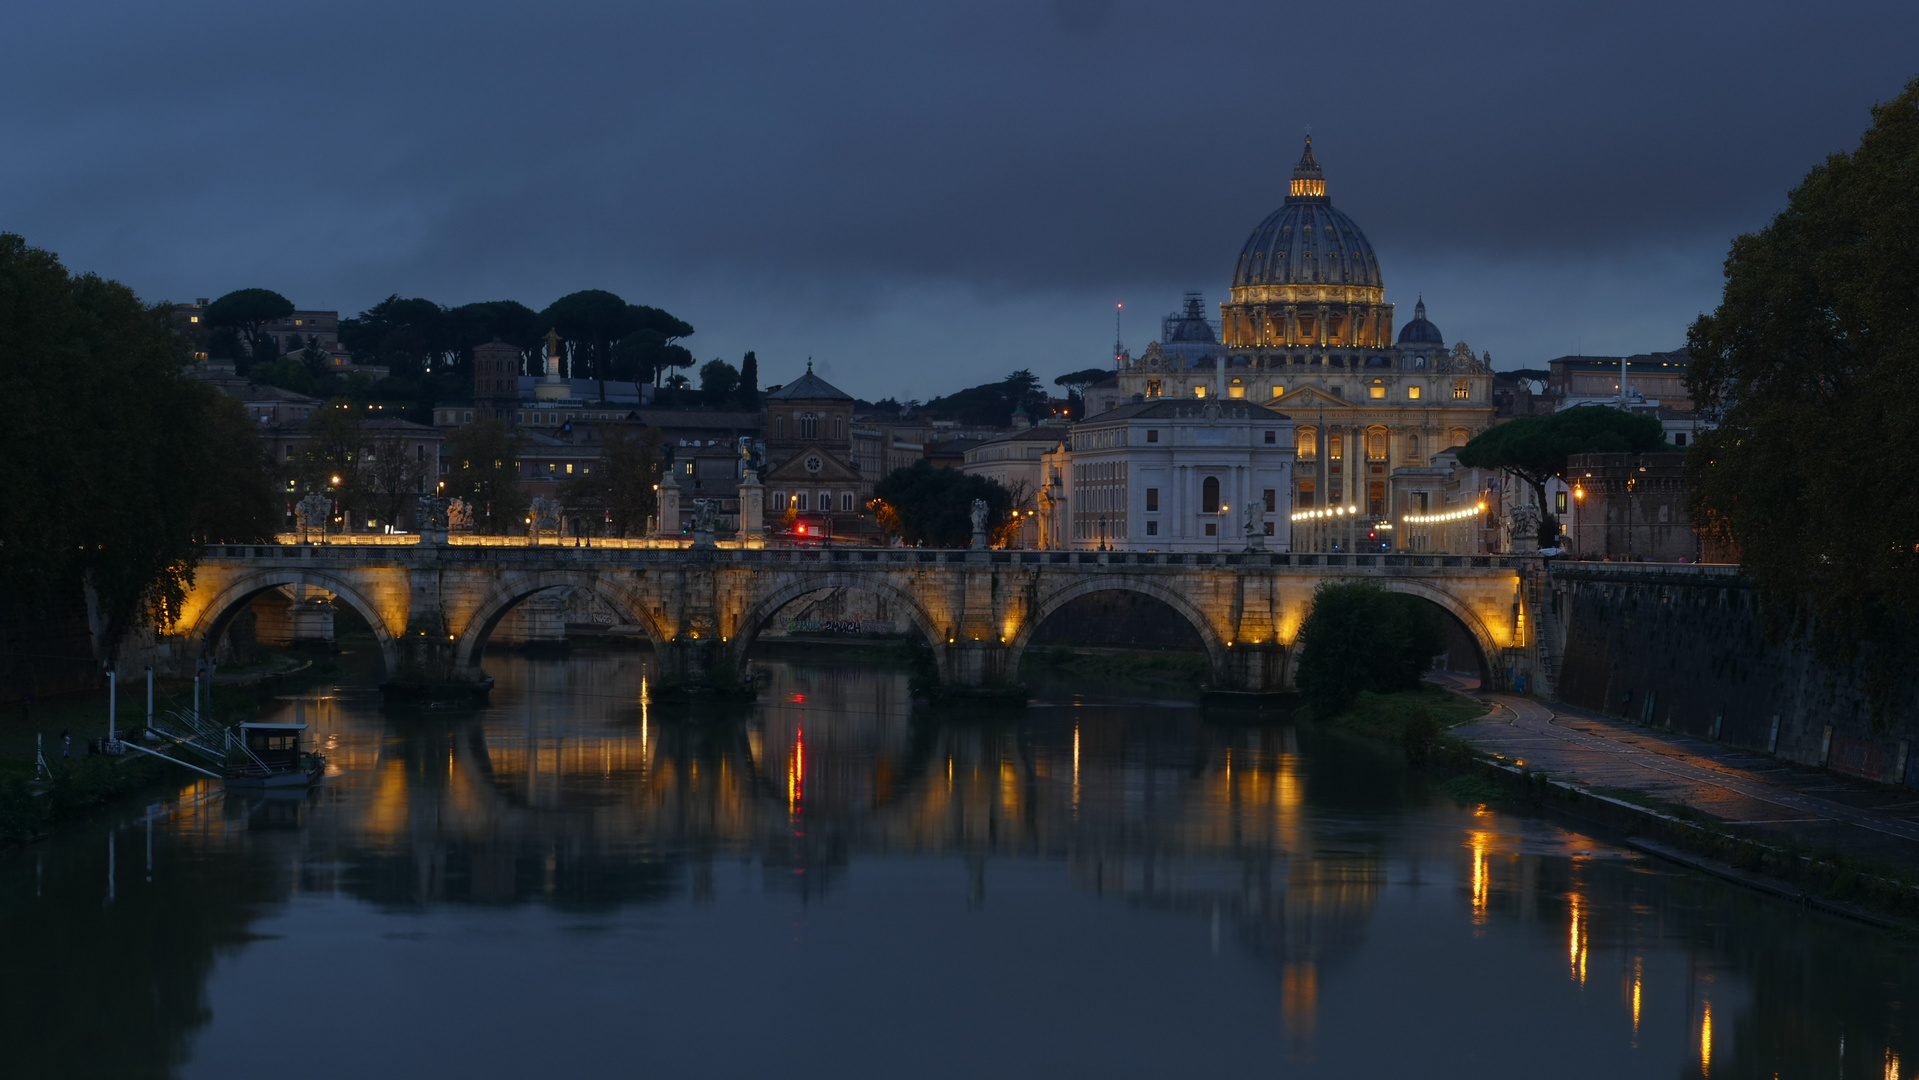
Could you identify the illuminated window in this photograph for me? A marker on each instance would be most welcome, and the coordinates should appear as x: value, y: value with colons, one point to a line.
x: 569, y: 468
x: 1200, y: 390
x: 1376, y: 444
x: 1306, y: 443
x: 1236, y: 390
x: 1460, y: 436
x: 1462, y: 389
x: 1412, y: 393
x: 1152, y: 388
x: 1279, y: 391
x: 193, y: 318
x: 1336, y: 447
x: 1377, y: 390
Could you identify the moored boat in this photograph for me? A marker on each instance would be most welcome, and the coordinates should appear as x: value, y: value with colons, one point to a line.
x: 274, y: 758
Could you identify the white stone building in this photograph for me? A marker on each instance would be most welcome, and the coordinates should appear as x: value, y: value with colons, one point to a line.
x: 1173, y: 475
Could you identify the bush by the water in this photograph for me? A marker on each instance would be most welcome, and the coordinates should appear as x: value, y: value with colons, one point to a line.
x: 1359, y: 636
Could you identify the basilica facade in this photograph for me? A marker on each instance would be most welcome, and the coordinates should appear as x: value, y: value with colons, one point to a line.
x: 1307, y: 332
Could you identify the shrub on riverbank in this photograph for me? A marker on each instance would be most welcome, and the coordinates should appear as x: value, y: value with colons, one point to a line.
x: 79, y: 786
x: 1360, y: 637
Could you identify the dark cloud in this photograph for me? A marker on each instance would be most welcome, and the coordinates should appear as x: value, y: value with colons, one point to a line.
x: 928, y: 194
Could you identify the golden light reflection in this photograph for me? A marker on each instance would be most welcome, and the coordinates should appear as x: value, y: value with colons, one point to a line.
x: 1638, y: 972
x: 1481, y: 883
x: 1075, y: 771
x: 1300, y: 998
x: 1578, y: 941
x: 796, y: 772
x: 1892, y: 1064
x: 1705, y: 1039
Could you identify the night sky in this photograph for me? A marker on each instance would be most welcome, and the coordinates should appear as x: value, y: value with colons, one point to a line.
x: 925, y: 196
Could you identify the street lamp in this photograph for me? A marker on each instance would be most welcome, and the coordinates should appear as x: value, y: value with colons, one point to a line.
x: 1219, y: 526
x: 1579, y: 538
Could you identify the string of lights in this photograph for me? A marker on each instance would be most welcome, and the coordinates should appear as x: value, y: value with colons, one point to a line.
x: 1435, y: 519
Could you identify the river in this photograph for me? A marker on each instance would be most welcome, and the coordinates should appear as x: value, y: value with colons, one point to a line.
x: 577, y: 882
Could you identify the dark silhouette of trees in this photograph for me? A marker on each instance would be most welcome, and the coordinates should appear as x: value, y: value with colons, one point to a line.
x: 1359, y: 636
x: 246, y: 311
x: 1805, y: 366
x: 931, y: 507
x: 1535, y: 448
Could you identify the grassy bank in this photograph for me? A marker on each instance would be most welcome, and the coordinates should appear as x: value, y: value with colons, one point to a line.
x: 1121, y: 668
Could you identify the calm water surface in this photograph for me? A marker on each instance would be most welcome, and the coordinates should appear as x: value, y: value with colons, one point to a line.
x: 827, y: 884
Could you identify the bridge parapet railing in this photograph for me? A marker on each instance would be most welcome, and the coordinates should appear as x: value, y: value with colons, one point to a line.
x: 870, y: 557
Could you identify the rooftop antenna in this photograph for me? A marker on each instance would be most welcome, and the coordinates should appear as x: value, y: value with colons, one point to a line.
x: 1119, y: 343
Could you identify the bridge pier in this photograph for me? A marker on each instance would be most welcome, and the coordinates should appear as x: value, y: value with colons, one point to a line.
x: 1254, y: 668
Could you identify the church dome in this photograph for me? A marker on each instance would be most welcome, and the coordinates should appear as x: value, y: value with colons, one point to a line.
x: 1419, y: 331
x: 1306, y: 241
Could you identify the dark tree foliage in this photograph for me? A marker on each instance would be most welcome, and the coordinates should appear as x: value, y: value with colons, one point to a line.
x: 749, y: 395
x: 404, y: 335
x: 931, y: 507
x: 484, y: 470
x: 476, y: 324
x: 118, y: 466
x: 992, y: 404
x: 618, y: 492
x: 591, y: 321
x: 1806, y: 365
x: 1078, y: 381
x: 1535, y: 448
x: 1359, y: 636
x: 719, y: 383
x: 246, y: 310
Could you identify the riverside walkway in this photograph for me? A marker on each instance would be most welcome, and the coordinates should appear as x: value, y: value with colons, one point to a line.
x: 1752, y: 793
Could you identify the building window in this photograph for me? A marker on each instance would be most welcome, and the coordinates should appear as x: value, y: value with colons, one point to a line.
x: 1152, y: 500
x: 1306, y: 443
x: 1152, y: 435
x: 1336, y: 447
x: 1462, y: 390
x: 839, y: 427
x: 1377, y: 390
x: 779, y: 500
x: 569, y: 468
x: 1412, y: 448
x: 1304, y: 498
x: 846, y: 501
x: 1376, y: 444
x: 1459, y: 436
x: 800, y: 500
x: 1236, y: 390
x: 1209, y: 495
x: 1212, y: 528
x: 1271, y: 499
x: 1269, y: 528
x: 1679, y: 438
x: 469, y: 418
x: 826, y: 502
x: 1272, y: 438
x: 779, y: 427
x: 1279, y: 391
x: 1412, y: 393
x: 1376, y: 498
x: 1560, y: 500
x: 1152, y: 528
x: 809, y: 426
x: 1199, y: 391
x: 1152, y: 388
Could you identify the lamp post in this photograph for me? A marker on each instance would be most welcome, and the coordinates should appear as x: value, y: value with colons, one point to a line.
x: 1579, y: 538
x: 1219, y: 526
x: 1102, y: 532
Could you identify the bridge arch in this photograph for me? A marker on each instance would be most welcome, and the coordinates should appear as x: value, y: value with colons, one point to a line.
x: 1049, y: 603
x: 513, y: 588
x: 768, y: 605
x: 1482, y: 635
x: 236, y: 593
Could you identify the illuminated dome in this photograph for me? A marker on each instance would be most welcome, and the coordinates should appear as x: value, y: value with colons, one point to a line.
x: 1307, y: 277
x: 1419, y: 331
x: 1306, y: 241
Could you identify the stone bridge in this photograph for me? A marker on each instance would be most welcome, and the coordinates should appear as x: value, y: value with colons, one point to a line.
x: 433, y: 607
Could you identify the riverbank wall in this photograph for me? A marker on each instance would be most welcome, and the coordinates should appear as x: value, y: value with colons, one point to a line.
x: 1683, y: 647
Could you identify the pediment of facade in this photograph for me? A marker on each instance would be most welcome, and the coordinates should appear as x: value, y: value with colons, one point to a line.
x: 794, y: 470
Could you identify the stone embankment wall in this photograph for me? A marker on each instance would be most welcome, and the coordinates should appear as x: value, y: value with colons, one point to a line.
x: 1684, y: 647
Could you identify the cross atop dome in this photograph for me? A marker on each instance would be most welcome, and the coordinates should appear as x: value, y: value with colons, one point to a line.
x: 1308, y: 181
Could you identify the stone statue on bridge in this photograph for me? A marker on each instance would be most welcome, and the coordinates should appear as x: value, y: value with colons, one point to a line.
x: 979, y: 524
x: 706, y: 515
x: 312, y: 513
x: 432, y: 512
x: 459, y: 515
x: 1255, y: 524
x: 542, y: 514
